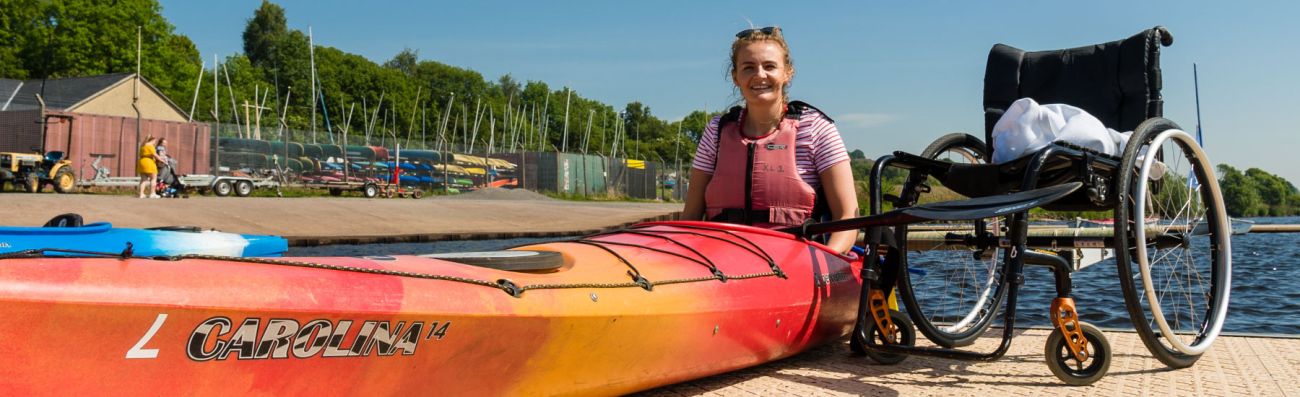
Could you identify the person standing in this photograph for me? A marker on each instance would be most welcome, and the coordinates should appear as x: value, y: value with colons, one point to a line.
x: 773, y: 162
x: 147, y: 168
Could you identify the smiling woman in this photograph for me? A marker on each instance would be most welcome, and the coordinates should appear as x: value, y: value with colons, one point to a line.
x: 773, y: 162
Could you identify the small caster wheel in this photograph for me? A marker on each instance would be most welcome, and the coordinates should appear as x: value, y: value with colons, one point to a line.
x: 1069, y: 369
x: 905, y: 336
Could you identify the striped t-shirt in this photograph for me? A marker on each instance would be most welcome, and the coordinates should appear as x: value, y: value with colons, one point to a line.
x: 817, y: 143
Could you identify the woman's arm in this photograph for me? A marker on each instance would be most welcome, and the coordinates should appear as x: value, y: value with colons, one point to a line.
x: 694, y: 209
x: 837, y: 183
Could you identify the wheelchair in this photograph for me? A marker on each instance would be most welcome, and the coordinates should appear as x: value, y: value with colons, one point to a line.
x: 1171, y: 236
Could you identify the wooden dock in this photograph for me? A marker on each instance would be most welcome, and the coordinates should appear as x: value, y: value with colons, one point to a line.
x: 1258, y: 228
x: 1237, y: 365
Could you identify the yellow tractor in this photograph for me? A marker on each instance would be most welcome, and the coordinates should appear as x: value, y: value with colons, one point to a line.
x: 32, y: 172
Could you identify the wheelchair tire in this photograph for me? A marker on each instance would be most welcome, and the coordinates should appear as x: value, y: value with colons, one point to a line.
x: 957, y: 143
x: 1067, y: 368
x: 1175, y: 257
x: 906, y: 336
x: 952, y: 291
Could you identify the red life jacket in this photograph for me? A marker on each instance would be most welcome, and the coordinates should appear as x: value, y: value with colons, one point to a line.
x: 755, y: 181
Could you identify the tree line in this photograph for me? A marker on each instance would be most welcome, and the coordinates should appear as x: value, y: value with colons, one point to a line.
x: 1257, y: 193
x: 405, y: 99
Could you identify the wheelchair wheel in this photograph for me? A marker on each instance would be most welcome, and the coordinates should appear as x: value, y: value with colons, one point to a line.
x: 906, y: 336
x: 1069, y: 369
x: 957, y: 148
x: 1175, y: 260
x: 953, y: 284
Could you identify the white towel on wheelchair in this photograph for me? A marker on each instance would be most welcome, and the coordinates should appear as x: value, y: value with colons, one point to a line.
x: 1028, y: 127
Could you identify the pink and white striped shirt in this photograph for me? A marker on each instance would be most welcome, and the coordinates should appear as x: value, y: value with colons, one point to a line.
x: 818, y: 146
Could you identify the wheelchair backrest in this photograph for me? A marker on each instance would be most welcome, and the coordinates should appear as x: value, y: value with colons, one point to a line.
x: 1118, y: 82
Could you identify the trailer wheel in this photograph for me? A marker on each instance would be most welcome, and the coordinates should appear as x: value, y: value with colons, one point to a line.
x: 64, y: 181
x: 336, y: 192
x: 243, y: 188
x: 417, y: 194
x: 370, y: 190
x: 222, y: 188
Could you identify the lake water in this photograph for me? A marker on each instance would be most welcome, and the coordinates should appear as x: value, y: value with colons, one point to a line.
x: 1265, y: 288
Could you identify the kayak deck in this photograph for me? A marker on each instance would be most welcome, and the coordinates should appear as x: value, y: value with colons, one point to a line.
x: 628, y: 310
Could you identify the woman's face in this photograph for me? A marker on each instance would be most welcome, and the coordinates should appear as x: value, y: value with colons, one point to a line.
x: 761, y: 73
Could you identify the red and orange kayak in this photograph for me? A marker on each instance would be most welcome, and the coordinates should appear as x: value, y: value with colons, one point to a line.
x: 651, y: 305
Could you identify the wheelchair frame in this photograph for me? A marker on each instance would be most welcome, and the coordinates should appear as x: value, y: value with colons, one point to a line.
x: 878, y: 334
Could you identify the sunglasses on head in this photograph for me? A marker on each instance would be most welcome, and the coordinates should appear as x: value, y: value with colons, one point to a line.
x: 767, y: 30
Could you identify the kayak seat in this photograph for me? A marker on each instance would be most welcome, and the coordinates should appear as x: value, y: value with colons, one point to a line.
x: 511, y: 260
x: 65, y: 220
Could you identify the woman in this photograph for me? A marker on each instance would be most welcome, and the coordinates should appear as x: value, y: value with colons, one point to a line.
x: 161, y: 149
x: 771, y: 162
x: 147, y: 167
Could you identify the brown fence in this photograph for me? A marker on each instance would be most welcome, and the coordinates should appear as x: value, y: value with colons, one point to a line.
x: 84, y: 137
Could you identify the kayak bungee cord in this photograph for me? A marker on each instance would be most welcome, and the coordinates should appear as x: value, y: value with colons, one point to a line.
x: 635, y: 273
x: 712, y: 268
x: 41, y: 252
x: 760, y: 253
x: 504, y: 284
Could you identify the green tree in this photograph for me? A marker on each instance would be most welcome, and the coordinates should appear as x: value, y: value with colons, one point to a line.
x: 510, y: 88
x: 405, y: 61
x: 74, y: 38
x: 262, y: 33
x: 1277, y: 195
x: 20, y: 22
x: 1240, y: 195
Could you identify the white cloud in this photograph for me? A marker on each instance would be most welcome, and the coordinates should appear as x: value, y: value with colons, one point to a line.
x: 865, y: 120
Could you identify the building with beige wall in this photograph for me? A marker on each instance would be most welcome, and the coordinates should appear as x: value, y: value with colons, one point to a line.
x: 105, y: 95
x: 92, y: 119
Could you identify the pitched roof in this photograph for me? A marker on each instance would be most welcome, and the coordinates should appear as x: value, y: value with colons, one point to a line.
x: 66, y: 93
x: 8, y: 91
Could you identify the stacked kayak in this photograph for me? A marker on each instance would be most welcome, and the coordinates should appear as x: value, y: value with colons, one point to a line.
x: 103, y: 237
x: 654, y: 304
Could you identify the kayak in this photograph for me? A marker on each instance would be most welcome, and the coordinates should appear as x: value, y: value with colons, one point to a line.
x: 103, y: 237
x: 613, y: 313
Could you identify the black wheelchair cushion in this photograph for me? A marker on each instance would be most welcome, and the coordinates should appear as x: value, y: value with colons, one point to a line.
x: 1118, y: 82
x: 981, y: 180
x: 65, y: 220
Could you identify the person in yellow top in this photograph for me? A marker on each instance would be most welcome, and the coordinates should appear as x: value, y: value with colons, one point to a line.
x: 147, y: 167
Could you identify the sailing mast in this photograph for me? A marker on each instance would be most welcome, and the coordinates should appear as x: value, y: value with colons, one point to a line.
x: 216, y: 116
x: 231, y: 89
x: 311, y: 51
x: 410, y: 126
x: 198, y: 83
x: 1196, y: 83
x: 564, y: 142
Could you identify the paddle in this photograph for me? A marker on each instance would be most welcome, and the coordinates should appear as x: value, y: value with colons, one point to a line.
x: 956, y: 210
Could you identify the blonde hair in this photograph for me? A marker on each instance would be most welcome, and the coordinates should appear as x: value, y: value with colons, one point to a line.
x: 754, y: 35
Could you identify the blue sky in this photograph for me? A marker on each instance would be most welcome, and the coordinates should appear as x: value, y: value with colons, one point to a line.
x: 894, y: 75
